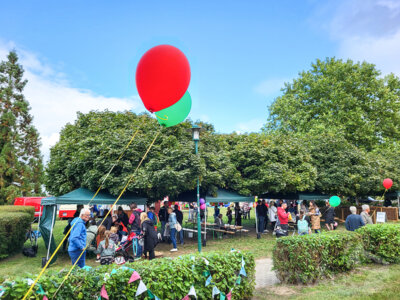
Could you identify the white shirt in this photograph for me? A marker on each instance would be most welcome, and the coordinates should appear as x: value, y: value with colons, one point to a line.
x: 272, y: 213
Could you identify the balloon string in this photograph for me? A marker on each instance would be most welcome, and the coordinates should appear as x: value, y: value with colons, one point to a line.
x: 162, y: 118
x: 69, y: 231
x: 112, y: 207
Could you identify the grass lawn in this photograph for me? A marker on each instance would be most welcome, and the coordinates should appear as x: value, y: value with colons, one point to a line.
x: 370, y: 282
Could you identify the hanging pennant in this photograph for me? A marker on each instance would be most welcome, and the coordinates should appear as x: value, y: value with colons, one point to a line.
x: 243, y: 272
x: 243, y: 263
x: 135, y: 276
x: 238, y: 280
x: 229, y: 295
x: 186, y: 297
x: 45, y: 297
x: 221, y: 296
x: 141, y: 288
x: 215, y: 291
x: 103, y: 292
x: 192, y: 292
x: 150, y: 294
x: 208, y: 281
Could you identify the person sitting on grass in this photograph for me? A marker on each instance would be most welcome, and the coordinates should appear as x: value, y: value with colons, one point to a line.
x: 106, y: 249
x: 114, y: 235
x: 91, y: 235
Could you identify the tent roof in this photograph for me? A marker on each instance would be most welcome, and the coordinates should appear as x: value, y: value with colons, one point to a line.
x: 228, y: 196
x: 295, y: 196
x: 83, y: 196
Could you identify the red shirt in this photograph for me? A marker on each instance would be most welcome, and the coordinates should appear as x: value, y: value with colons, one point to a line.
x: 282, y: 216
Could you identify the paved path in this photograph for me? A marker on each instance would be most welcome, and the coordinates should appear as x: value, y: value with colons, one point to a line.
x: 264, y: 274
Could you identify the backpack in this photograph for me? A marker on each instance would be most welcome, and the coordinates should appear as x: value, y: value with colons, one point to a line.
x: 302, y: 225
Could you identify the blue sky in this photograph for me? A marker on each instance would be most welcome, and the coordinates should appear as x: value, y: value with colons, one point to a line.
x: 82, y: 55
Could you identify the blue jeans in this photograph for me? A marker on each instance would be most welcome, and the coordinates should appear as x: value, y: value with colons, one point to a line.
x: 181, y: 237
x: 74, y: 256
x: 260, y: 224
x: 173, y: 236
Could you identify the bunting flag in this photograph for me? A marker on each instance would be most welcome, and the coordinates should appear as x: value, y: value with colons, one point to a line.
x: 156, y: 298
x: 206, y: 261
x: 229, y: 295
x: 30, y: 281
x: 103, y: 292
x: 45, y: 297
x: 141, y: 288
x: 40, y: 290
x: 106, y: 276
x: 243, y: 272
x: 238, y: 280
x: 150, y: 294
x: 208, y: 281
x: 243, y: 262
x: 186, y: 297
x: 2, y: 291
x: 206, y: 273
x: 193, y: 258
x: 215, y: 291
x: 87, y: 268
x: 192, y: 292
x: 135, y: 276
x: 222, y: 296
x: 99, y: 298
x: 193, y: 268
x: 113, y: 271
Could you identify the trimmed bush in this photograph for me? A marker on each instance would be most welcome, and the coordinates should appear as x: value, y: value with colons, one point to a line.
x: 382, y: 241
x: 166, y: 278
x: 14, y: 223
x: 305, y: 259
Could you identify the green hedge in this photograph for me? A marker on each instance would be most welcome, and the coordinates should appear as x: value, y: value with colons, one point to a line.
x: 14, y: 223
x: 167, y: 279
x: 382, y: 241
x: 305, y: 259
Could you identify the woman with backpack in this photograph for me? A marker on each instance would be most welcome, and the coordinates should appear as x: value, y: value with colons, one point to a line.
x: 149, y: 235
x: 303, y: 225
x: 315, y: 216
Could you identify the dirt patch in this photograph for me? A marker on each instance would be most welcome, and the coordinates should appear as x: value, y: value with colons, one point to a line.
x: 282, y: 290
x: 265, y: 277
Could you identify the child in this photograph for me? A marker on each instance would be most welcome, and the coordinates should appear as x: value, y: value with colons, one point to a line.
x: 114, y: 235
x: 100, y: 237
x: 302, y: 224
x: 106, y: 249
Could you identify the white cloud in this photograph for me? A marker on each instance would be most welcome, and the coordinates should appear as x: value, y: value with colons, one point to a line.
x: 368, y: 30
x: 270, y: 87
x: 253, y: 125
x: 54, y: 102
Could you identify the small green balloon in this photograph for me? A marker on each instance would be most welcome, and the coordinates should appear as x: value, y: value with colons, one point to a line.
x: 334, y: 201
x: 176, y: 113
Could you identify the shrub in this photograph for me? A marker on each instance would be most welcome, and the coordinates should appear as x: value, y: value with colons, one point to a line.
x: 13, y: 228
x: 382, y: 241
x: 304, y: 259
x: 17, y: 208
x: 167, y: 278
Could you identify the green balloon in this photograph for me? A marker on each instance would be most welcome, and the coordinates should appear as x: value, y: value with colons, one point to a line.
x: 176, y: 113
x: 334, y: 201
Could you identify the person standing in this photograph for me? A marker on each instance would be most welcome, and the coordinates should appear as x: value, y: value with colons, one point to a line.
x: 353, y: 221
x: 313, y: 212
x: 272, y: 214
x: 365, y: 215
x: 149, y: 235
x: 179, y: 219
x: 134, y: 220
x: 265, y: 211
x: 238, y: 215
x: 283, y: 217
x: 216, y: 210
x: 68, y: 227
x: 260, y: 218
x: 77, y: 239
x: 107, y: 220
x: 229, y: 215
x: 172, y: 222
x: 163, y: 216
x: 329, y: 216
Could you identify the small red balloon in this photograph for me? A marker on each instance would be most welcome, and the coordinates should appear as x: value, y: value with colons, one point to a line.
x: 162, y: 77
x: 387, y: 183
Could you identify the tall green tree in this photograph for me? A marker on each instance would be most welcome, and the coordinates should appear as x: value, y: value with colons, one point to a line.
x: 347, y: 98
x: 21, y: 168
x: 89, y: 148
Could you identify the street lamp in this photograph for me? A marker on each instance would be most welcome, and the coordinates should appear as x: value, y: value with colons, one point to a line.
x: 196, y: 137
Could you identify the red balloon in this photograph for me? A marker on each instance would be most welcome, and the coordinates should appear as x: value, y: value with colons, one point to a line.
x: 387, y: 183
x: 162, y: 77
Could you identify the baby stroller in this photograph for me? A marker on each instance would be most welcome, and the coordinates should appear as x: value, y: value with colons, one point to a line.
x: 123, y: 249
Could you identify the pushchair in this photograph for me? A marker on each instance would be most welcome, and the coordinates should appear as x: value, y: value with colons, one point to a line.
x: 123, y: 249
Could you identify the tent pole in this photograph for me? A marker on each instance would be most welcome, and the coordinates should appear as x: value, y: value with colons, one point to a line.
x: 51, y: 233
x: 40, y: 216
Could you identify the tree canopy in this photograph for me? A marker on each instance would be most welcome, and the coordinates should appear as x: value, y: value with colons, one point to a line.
x: 21, y: 169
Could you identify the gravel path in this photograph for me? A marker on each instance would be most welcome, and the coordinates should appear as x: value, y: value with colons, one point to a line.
x: 264, y: 274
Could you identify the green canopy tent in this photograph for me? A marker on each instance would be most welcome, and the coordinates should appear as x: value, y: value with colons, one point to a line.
x: 225, y: 196
x: 79, y: 196
x: 296, y: 196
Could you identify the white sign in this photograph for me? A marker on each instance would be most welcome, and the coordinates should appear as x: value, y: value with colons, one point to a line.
x: 380, y: 217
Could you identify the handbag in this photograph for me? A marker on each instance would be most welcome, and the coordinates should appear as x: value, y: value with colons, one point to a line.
x: 178, y: 227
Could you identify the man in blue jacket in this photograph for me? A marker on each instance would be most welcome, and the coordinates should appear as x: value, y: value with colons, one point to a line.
x: 77, y: 239
x: 354, y: 221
